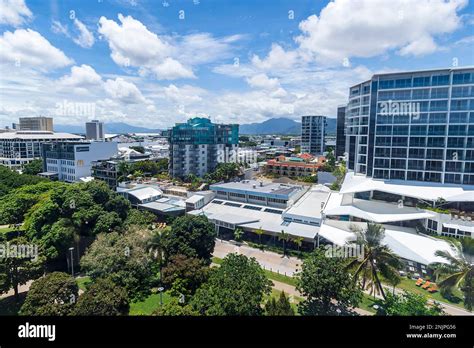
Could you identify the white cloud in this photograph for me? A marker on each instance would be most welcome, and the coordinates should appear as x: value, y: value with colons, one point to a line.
x: 277, y: 58
x: 81, y: 76
x: 28, y: 48
x: 58, y: 28
x: 124, y: 91
x: 132, y: 44
x: 85, y: 38
x: 14, y: 12
x: 171, y: 69
x: 183, y: 95
x: 366, y: 28
x: 263, y: 81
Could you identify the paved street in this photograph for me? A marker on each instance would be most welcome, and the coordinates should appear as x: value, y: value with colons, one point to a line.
x: 289, y: 266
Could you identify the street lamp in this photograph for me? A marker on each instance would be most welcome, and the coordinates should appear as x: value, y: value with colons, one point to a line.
x: 160, y: 289
x: 72, y: 261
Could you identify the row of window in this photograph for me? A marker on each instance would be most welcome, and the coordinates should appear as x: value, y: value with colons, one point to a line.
x: 457, y: 129
x: 424, y: 81
x: 453, y: 142
x: 427, y: 165
x: 397, y: 152
x: 449, y: 178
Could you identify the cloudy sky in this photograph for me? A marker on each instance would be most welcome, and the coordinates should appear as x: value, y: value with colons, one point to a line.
x: 153, y: 63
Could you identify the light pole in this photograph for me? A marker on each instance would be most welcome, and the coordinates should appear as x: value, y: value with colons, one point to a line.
x: 72, y: 261
x: 160, y: 289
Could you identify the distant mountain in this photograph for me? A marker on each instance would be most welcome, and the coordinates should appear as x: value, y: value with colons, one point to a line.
x: 281, y: 126
x: 110, y: 128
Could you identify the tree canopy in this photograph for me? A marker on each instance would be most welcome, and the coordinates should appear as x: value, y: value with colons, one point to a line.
x: 54, y: 294
x: 328, y: 287
x: 237, y: 287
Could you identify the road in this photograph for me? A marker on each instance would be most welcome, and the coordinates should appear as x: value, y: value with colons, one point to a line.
x: 290, y: 265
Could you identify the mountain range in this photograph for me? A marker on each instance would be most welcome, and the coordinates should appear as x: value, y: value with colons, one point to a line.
x: 284, y: 126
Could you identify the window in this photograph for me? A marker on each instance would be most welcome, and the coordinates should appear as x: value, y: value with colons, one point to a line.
x: 274, y: 211
x: 440, y: 80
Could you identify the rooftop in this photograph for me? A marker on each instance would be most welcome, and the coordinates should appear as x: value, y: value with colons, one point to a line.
x: 253, y: 186
x: 310, y: 205
x: 38, y: 135
x: 415, y: 189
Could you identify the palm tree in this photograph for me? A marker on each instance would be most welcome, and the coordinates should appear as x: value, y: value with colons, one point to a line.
x: 238, y: 233
x: 458, y: 273
x: 298, y: 241
x: 259, y: 232
x: 155, y: 245
x: 377, y: 258
x: 284, y: 237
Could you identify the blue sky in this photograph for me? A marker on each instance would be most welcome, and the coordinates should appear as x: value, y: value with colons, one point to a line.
x: 153, y: 63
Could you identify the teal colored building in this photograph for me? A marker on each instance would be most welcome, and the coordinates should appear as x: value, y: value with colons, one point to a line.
x: 197, y: 146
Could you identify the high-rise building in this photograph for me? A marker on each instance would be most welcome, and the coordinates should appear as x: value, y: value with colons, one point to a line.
x: 197, y: 146
x: 39, y: 123
x: 72, y: 161
x: 312, y: 134
x: 341, y: 131
x: 21, y: 147
x: 95, y: 130
x: 413, y: 126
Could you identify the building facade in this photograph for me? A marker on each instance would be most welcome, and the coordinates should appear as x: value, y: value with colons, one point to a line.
x: 40, y: 123
x: 413, y: 126
x: 21, y: 147
x: 197, y: 146
x: 341, y: 132
x: 312, y: 134
x: 73, y: 160
x: 294, y: 166
x: 95, y: 130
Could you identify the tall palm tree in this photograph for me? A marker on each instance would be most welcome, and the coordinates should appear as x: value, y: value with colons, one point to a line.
x: 377, y: 259
x: 155, y: 245
x: 284, y: 237
x: 458, y: 273
x: 259, y: 232
x: 298, y: 241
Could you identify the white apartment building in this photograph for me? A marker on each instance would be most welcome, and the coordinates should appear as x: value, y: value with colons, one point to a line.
x: 72, y: 161
x: 21, y: 147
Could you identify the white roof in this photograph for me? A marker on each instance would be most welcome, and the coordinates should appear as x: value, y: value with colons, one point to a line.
x: 415, y: 247
x: 38, y: 135
x: 456, y: 226
x: 145, y: 192
x: 379, y: 212
x: 403, y: 241
x: 194, y: 199
x: 255, y: 219
x: 310, y: 204
x: 416, y: 189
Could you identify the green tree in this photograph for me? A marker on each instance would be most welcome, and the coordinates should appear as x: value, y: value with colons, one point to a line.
x: 16, y: 270
x: 238, y: 234
x: 407, y: 304
x: 458, y: 272
x: 124, y: 259
x: 377, y: 259
x: 298, y: 241
x: 140, y: 149
x: 191, y: 272
x: 54, y: 294
x: 193, y: 236
x: 33, y: 168
x: 280, y: 307
x: 285, y: 238
x: 237, y: 287
x: 174, y: 308
x: 259, y: 233
x: 327, y: 286
x: 103, y: 297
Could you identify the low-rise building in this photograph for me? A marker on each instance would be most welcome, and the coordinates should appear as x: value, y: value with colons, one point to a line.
x: 18, y: 148
x: 73, y: 160
x: 295, y: 166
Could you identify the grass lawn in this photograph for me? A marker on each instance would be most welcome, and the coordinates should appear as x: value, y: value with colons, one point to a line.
x: 367, y: 302
x: 148, y: 306
x: 271, y: 275
x: 83, y: 282
x: 294, y: 300
x: 409, y: 285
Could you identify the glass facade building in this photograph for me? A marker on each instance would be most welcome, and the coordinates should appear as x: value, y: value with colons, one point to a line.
x: 413, y: 126
x: 197, y: 146
x: 312, y: 134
